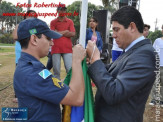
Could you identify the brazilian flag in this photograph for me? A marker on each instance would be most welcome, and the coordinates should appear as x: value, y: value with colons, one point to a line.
x: 84, y: 113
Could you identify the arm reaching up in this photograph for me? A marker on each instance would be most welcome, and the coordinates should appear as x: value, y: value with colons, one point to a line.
x: 75, y: 95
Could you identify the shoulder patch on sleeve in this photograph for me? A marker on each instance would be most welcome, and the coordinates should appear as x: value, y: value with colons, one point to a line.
x: 45, y: 73
x: 57, y: 82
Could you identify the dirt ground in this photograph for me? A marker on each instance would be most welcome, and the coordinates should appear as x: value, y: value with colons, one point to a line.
x: 7, y: 67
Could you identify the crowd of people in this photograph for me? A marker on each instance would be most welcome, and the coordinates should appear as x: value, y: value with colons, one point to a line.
x: 123, y: 86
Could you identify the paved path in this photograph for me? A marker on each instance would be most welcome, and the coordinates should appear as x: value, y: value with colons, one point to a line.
x: 8, y: 46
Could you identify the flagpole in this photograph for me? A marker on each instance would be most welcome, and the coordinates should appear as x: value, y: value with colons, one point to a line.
x: 83, y: 21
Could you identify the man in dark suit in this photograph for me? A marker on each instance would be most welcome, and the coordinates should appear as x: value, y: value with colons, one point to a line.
x: 124, y: 86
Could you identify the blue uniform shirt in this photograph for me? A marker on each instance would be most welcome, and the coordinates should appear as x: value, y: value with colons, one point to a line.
x: 38, y: 90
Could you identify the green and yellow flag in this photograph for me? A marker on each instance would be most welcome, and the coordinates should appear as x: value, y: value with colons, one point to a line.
x: 84, y: 113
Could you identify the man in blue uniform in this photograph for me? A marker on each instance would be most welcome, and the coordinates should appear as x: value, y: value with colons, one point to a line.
x: 124, y: 86
x: 34, y: 85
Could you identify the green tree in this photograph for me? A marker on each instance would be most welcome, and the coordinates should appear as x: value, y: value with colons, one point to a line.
x: 6, y: 38
x: 110, y: 5
x: 76, y: 7
x: 154, y: 35
x: 9, y: 21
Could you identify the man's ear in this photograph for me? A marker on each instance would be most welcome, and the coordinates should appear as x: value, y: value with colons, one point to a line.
x: 133, y: 27
x: 33, y: 40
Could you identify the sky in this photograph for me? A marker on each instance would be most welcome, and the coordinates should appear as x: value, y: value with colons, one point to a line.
x: 151, y: 10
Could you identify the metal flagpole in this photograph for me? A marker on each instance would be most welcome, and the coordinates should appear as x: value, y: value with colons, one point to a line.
x: 83, y: 21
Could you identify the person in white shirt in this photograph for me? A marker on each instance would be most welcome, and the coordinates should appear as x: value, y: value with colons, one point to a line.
x: 158, y: 45
x: 116, y: 51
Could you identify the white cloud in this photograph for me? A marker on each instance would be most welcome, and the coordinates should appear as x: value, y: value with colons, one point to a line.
x: 150, y: 10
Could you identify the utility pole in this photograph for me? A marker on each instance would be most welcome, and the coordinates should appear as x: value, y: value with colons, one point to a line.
x: 16, y: 15
x: 29, y: 2
x: 156, y: 24
x: 138, y: 5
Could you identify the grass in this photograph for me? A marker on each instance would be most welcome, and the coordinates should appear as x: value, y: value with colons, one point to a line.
x: 6, y: 50
x: 3, y: 44
x: 7, y: 67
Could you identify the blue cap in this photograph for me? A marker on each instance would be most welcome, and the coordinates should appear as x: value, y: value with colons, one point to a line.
x: 35, y: 26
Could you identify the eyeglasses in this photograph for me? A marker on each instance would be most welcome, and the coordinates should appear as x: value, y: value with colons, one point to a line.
x: 92, y: 21
x: 62, y: 9
x: 48, y: 38
x: 40, y: 35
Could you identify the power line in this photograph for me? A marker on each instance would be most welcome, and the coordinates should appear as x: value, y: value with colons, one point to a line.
x: 6, y: 87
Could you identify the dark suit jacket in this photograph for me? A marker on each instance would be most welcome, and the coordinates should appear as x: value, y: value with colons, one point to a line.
x: 123, y: 88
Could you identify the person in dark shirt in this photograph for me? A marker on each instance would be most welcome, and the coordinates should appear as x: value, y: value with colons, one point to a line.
x: 35, y: 87
x: 123, y: 87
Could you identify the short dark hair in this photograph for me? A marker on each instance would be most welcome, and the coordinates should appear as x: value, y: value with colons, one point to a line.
x: 61, y: 6
x: 28, y: 13
x: 146, y: 25
x: 24, y: 42
x: 128, y: 14
x: 95, y: 19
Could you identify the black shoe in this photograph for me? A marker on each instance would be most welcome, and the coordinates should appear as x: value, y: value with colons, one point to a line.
x: 152, y: 103
x: 161, y: 104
